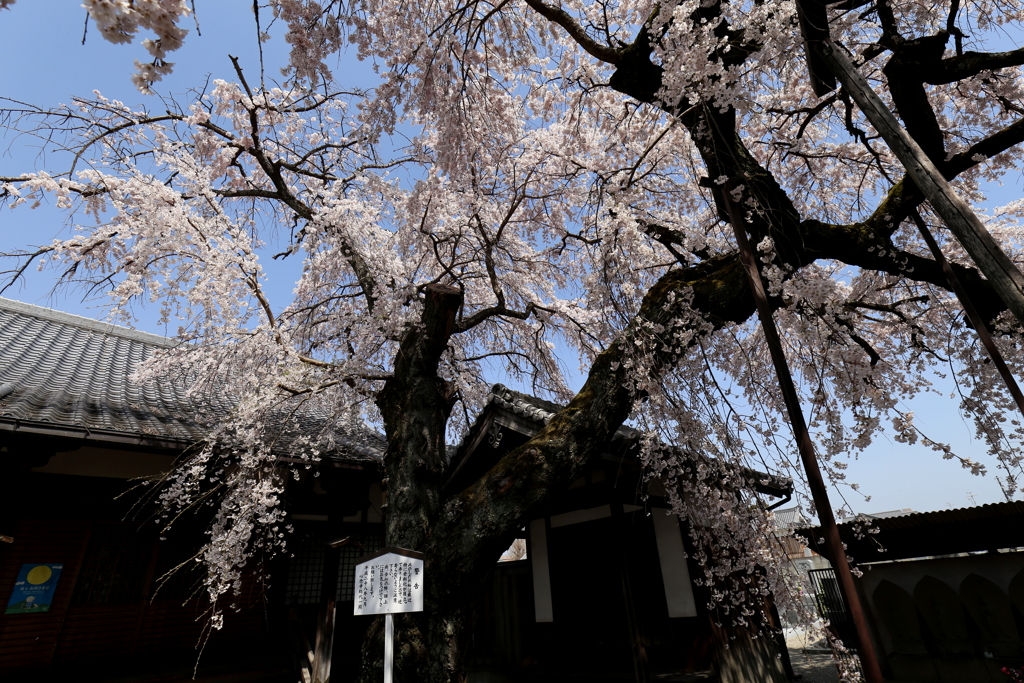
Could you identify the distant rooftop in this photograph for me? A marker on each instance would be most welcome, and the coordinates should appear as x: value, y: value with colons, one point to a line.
x: 65, y: 375
x: 878, y: 515
x: 989, y: 527
x: 790, y: 518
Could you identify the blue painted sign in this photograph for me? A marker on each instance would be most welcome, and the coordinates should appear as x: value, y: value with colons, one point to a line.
x: 33, y: 591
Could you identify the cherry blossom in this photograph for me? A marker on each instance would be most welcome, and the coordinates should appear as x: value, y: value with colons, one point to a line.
x: 557, y: 193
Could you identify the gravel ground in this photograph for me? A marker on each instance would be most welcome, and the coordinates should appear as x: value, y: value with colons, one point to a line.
x: 814, y: 668
x: 798, y: 639
x: 810, y: 656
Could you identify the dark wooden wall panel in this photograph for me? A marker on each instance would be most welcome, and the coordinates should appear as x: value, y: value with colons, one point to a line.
x: 30, y: 639
x: 95, y: 629
x: 71, y: 633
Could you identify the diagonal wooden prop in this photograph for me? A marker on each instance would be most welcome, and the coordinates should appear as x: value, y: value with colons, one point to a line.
x: 825, y: 59
x: 986, y: 253
x: 990, y: 258
x: 819, y: 492
x: 977, y: 321
x: 813, y: 15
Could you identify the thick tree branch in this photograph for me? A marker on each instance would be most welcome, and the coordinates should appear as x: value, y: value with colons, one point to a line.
x: 904, y: 196
x: 952, y: 69
x: 497, y: 311
x: 519, y: 485
x: 903, y: 71
x: 577, y: 32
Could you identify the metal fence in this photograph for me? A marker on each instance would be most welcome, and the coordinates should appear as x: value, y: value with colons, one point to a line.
x: 832, y: 607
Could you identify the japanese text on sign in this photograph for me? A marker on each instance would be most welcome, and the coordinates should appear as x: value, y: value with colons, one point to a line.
x: 389, y: 583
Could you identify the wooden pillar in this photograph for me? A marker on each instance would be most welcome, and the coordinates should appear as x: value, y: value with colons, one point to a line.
x: 537, y: 552
x: 675, y: 573
x: 323, y: 649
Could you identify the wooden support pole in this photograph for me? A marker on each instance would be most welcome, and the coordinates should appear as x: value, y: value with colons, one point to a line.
x: 323, y: 651
x: 990, y: 258
x: 324, y: 648
x: 972, y: 313
x: 819, y: 493
x: 813, y: 16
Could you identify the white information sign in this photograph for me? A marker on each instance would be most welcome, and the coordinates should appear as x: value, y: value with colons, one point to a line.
x: 389, y: 581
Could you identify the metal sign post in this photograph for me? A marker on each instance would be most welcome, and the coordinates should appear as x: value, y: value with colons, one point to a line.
x: 389, y: 647
x: 387, y: 582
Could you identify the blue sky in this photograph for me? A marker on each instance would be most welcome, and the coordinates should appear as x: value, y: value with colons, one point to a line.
x: 45, y: 63
x: 60, y: 66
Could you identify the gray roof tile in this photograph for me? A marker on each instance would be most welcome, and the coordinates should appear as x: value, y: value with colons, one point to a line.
x: 68, y: 371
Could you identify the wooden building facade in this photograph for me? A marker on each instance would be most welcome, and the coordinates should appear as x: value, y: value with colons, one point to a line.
x: 606, y: 587
x: 76, y: 439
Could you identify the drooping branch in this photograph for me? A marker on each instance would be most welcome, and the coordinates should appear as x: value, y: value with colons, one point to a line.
x: 279, y: 173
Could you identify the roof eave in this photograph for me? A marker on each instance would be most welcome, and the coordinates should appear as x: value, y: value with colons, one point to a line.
x: 92, y: 437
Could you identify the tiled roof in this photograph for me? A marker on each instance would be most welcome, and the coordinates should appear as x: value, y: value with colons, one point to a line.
x: 789, y: 518
x: 992, y: 512
x: 538, y: 409
x: 65, y: 372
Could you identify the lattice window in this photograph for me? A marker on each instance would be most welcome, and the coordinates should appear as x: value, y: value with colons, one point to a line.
x: 347, y: 564
x: 115, y: 566
x: 306, y: 570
